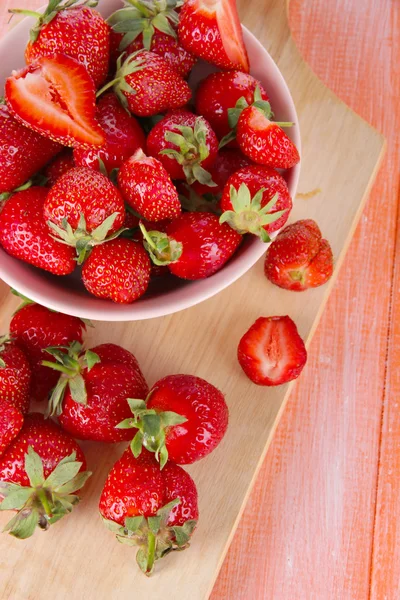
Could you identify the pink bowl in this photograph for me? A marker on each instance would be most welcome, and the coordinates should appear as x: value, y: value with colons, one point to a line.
x: 67, y: 294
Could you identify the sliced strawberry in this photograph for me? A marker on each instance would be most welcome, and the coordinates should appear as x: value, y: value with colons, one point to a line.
x: 272, y: 352
x: 56, y: 97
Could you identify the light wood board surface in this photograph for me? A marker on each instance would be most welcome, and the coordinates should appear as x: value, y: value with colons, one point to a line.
x: 203, y: 341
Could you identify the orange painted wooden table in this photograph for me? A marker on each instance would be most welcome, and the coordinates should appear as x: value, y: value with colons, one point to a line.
x: 322, y: 520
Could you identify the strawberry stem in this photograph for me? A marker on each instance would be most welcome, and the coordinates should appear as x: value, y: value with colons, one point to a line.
x: 25, y: 12
x: 57, y: 367
x: 41, y: 494
x: 151, y: 550
x: 107, y: 86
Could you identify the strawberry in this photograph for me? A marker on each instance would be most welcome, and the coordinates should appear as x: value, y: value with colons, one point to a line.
x: 11, y: 421
x: 186, y: 246
x: 256, y: 200
x: 271, y: 352
x: 227, y: 162
x: 211, y: 30
x: 61, y: 164
x: 148, y: 189
x: 34, y: 328
x: 263, y: 140
x: 77, y: 31
x: 55, y: 96
x: 124, y: 136
x: 41, y: 473
x: 25, y: 235
x: 152, y: 509
x: 22, y: 152
x: 186, y: 145
x: 120, y: 271
x: 299, y: 258
x: 84, y: 209
x: 131, y: 219
x: 221, y: 97
x: 183, y: 419
x: 15, y: 375
x: 147, y: 85
x: 90, y: 398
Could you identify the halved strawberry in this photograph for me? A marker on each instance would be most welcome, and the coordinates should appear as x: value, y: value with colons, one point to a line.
x: 272, y: 352
x: 56, y: 97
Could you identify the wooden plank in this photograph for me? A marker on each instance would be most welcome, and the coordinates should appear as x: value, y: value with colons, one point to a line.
x: 216, y: 328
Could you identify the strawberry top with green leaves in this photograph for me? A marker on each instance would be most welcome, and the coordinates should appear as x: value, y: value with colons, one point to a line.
x: 15, y: 374
x: 55, y: 96
x: 186, y: 145
x: 41, y: 473
x: 75, y: 30
x: 61, y: 164
x: 124, y: 136
x: 22, y: 152
x: 25, y: 235
x: 256, y: 200
x: 152, y: 509
x: 211, y: 30
x: 299, y: 258
x: 11, y: 421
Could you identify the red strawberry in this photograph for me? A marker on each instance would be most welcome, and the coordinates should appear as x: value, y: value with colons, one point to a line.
x: 91, y: 395
x: 155, y: 510
x: 83, y: 209
x: 120, y: 271
x: 56, y: 97
x: 41, y: 473
x: 15, y: 375
x: 221, y: 97
x: 264, y: 141
x: 256, y: 200
x: 34, y: 328
x: 123, y: 134
x: 299, y: 258
x: 183, y: 419
x: 22, y: 152
x: 61, y: 164
x: 227, y: 162
x: 25, y: 235
x: 198, y: 245
x: 271, y: 352
x: 11, y: 421
x: 77, y: 31
x: 186, y: 145
x: 147, y: 85
x: 147, y: 188
x: 211, y: 30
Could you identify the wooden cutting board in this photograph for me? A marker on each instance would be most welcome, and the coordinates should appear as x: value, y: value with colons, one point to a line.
x: 78, y: 558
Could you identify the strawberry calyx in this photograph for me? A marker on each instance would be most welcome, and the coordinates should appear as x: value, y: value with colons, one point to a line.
x: 80, y: 238
x: 45, y: 501
x: 131, y: 64
x: 193, y: 202
x: 163, y: 250
x: 151, y: 426
x: 144, y: 17
x: 71, y: 361
x: 152, y: 535
x: 53, y: 8
x: 247, y: 215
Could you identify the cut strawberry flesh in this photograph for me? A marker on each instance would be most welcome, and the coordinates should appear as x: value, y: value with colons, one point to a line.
x: 231, y: 32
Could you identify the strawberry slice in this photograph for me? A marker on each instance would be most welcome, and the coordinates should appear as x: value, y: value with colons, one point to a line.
x: 272, y: 352
x: 56, y: 97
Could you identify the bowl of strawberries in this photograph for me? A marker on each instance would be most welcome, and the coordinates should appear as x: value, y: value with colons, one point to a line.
x: 149, y: 152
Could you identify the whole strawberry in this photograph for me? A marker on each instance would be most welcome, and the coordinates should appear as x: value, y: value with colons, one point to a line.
x: 84, y: 209
x: 22, y: 152
x: 25, y: 235
x: 183, y: 419
x: 147, y: 188
x: 41, y: 473
x: 147, y: 85
x: 76, y: 30
x: 152, y: 509
x: 15, y: 375
x: 212, y: 31
x: 299, y: 258
x: 227, y: 162
x: 124, y: 136
x: 186, y: 247
x: 34, y: 328
x: 11, y: 421
x: 256, y: 200
x: 186, y: 145
x: 61, y: 164
x: 90, y: 398
x: 119, y: 270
